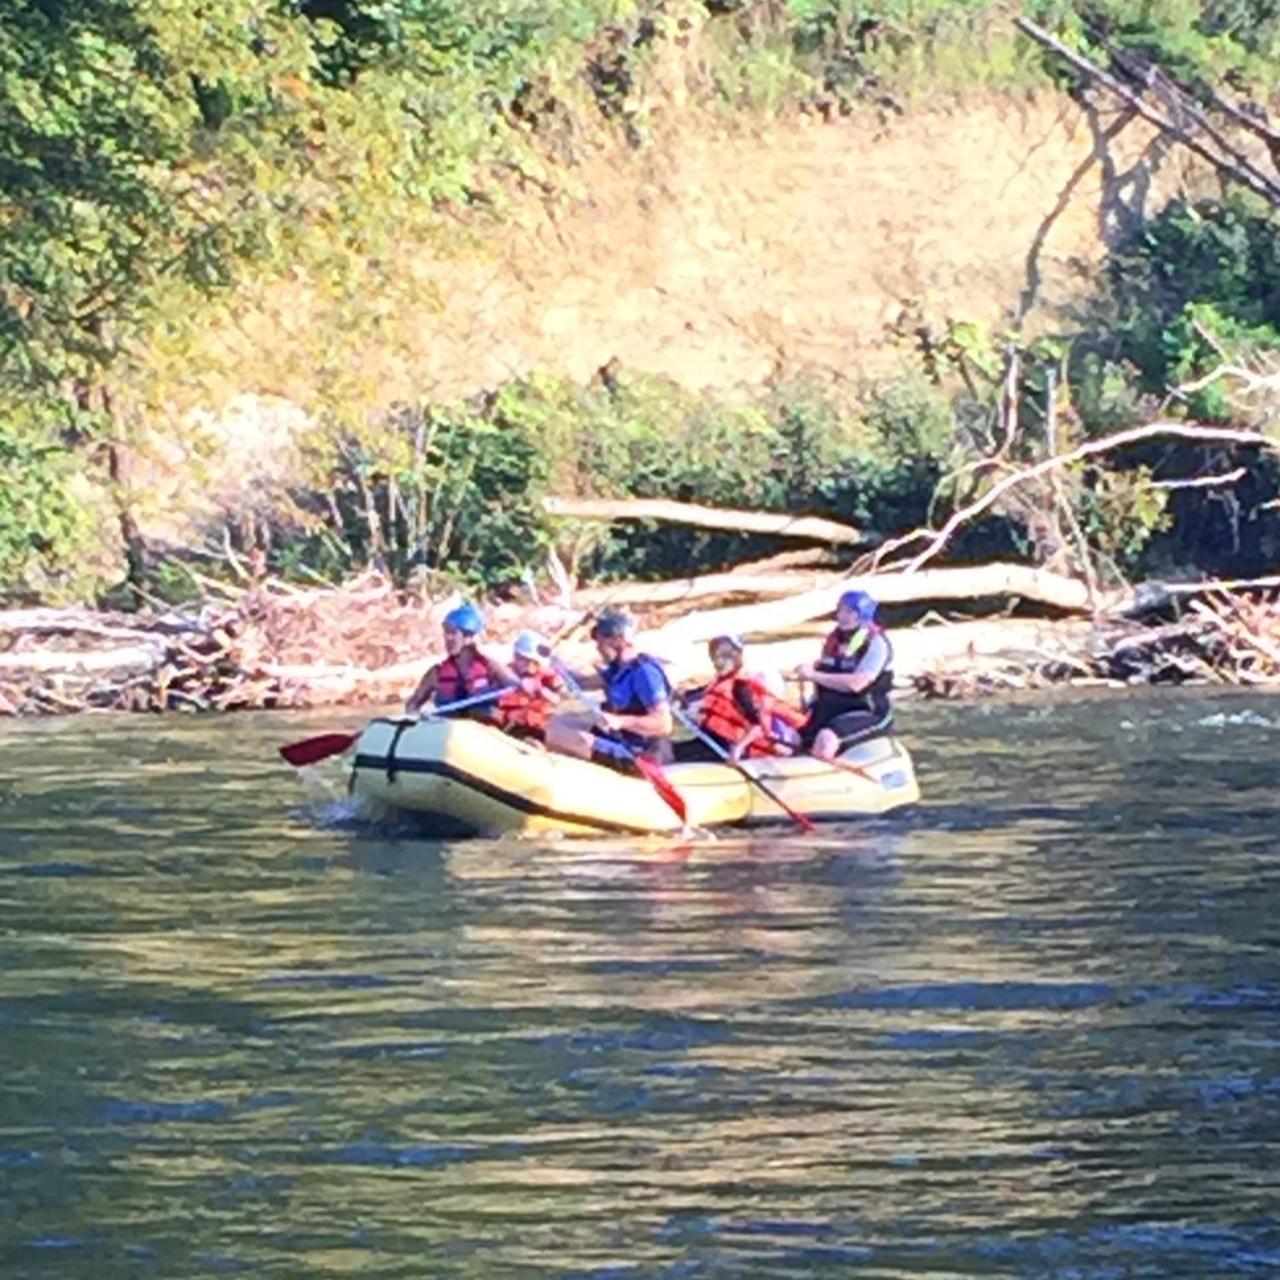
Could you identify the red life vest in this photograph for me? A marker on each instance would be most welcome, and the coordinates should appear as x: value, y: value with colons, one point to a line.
x: 453, y: 683
x: 721, y: 715
x: 519, y: 709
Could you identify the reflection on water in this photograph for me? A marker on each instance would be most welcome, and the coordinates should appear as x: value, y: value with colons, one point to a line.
x: 1029, y: 1029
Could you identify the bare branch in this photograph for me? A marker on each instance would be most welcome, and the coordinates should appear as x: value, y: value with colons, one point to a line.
x: 1132, y: 435
x: 1240, y: 169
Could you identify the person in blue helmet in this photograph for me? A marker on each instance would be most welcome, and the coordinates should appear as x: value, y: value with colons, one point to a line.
x: 853, y: 678
x: 635, y: 716
x: 464, y: 671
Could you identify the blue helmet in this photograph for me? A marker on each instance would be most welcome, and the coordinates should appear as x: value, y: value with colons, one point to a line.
x: 465, y: 618
x: 861, y: 604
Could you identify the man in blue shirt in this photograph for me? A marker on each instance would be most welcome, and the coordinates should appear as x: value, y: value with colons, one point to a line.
x: 635, y: 716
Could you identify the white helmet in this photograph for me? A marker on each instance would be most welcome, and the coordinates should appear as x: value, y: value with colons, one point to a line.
x: 529, y: 644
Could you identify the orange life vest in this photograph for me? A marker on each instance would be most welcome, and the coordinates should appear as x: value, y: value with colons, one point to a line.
x: 519, y: 709
x: 453, y: 683
x: 722, y: 717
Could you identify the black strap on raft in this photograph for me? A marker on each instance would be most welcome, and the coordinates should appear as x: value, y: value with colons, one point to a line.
x: 401, y: 726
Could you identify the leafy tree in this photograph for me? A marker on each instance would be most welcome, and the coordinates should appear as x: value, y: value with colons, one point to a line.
x: 125, y: 158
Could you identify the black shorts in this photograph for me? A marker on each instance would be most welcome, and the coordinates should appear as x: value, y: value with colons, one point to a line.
x: 696, y: 750
x: 852, y: 727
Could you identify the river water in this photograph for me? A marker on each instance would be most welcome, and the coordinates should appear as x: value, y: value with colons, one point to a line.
x: 1030, y: 1029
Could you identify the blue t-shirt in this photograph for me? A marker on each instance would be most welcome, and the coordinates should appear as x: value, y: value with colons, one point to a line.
x: 633, y: 687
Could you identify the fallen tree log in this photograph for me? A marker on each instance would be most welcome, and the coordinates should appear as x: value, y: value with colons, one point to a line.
x: 120, y: 659
x: 1228, y: 160
x: 966, y: 583
x: 711, y: 586
x: 810, y: 528
x: 85, y: 622
x: 920, y: 650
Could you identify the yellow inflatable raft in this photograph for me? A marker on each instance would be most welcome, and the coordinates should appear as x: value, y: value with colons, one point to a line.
x: 481, y: 780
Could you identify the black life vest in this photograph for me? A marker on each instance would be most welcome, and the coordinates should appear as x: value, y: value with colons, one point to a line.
x: 842, y: 652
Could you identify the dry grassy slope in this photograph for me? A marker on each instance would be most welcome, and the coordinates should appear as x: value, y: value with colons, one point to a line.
x: 716, y: 257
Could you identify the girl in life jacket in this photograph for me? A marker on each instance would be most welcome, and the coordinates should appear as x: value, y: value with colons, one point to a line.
x: 525, y: 710
x: 739, y: 713
x: 464, y: 671
x: 853, y: 678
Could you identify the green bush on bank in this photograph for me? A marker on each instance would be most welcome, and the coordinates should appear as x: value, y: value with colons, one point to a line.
x: 458, y: 489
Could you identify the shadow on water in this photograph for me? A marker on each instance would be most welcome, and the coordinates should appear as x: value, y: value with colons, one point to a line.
x: 1029, y: 1029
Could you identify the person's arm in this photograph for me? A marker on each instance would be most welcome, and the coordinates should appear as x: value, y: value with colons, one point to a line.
x: 425, y: 691
x: 500, y: 675
x: 550, y: 689
x: 747, y: 702
x: 654, y: 723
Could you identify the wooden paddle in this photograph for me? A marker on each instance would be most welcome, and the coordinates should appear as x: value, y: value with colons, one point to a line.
x: 650, y: 770
x: 804, y: 823
x: 323, y: 745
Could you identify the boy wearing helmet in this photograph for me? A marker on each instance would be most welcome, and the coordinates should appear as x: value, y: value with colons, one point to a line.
x: 525, y: 710
x: 464, y: 671
x: 739, y: 713
x: 635, y: 717
x: 854, y: 679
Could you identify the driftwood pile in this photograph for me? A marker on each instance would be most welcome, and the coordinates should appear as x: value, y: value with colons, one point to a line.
x: 278, y: 646
x: 1226, y: 636
x: 271, y: 647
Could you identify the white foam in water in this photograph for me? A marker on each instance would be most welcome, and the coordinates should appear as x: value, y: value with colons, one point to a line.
x: 345, y: 811
x: 1250, y: 718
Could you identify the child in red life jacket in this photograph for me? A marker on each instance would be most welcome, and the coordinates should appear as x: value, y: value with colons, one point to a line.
x: 739, y: 713
x: 524, y: 711
x: 464, y: 671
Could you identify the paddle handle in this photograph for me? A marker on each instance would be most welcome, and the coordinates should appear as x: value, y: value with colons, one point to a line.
x: 488, y: 695
x: 804, y: 823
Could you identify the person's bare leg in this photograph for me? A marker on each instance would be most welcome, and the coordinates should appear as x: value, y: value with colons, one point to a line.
x: 825, y: 745
x: 570, y: 735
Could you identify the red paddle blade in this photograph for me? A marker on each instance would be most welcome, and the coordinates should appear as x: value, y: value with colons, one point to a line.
x: 662, y: 785
x: 805, y: 824
x: 321, y: 747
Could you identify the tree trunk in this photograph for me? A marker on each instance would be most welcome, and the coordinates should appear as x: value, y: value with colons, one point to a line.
x: 810, y: 528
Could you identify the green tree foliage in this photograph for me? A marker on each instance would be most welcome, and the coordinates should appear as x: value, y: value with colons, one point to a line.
x: 40, y: 519
x: 1197, y: 288
x: 148, y: 151
x: 1201, y: 41
x: 1201, y: 279
x: 124, y: 161
x: 119, y: 164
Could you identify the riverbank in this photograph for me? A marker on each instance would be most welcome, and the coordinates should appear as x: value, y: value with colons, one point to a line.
x: 957, y: 633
